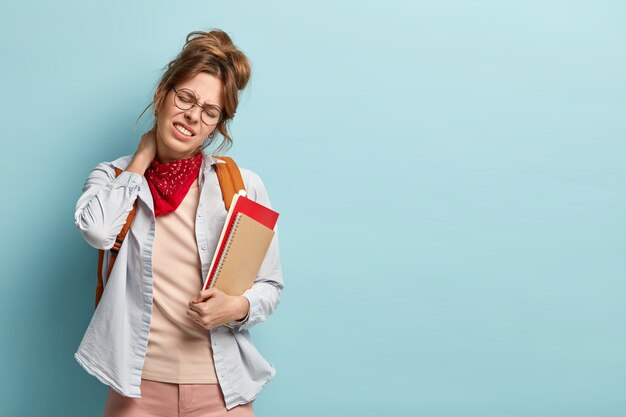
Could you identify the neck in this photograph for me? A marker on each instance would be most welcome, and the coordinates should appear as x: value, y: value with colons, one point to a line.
x: 165, y: 157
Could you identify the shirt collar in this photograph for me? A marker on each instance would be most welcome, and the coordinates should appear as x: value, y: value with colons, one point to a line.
x: 207, y: 161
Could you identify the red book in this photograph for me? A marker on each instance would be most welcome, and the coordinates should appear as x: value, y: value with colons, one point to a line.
x: 250, y: 208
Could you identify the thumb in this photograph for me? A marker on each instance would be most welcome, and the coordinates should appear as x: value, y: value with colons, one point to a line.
x: 204, y: 295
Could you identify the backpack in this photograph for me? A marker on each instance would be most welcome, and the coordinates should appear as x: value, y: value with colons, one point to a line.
x: 230, y: 181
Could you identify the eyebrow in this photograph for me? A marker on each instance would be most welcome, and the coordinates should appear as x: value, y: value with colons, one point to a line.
x: 206, y: 103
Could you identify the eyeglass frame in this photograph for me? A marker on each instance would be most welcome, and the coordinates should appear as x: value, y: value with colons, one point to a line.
x: 195, y: 103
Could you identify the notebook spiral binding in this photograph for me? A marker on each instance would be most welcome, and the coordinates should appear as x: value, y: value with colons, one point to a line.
x: 229, y: 242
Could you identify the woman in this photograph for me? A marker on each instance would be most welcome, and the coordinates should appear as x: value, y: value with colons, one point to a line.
x: 164, y: 347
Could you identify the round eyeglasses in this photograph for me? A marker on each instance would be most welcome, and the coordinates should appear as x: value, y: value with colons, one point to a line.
x: 186, y: 99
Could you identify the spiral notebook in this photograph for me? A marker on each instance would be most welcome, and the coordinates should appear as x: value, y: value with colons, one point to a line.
x: 242, y: 255
x: 245, y: 238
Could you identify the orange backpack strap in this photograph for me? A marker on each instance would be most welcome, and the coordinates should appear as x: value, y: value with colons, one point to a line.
x: 115, y: 249
x: 230, y: 179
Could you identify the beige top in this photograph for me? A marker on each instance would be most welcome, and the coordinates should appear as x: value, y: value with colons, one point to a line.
x: 179, y: 349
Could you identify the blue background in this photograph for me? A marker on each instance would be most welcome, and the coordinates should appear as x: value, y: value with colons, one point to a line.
x: 450, y: 178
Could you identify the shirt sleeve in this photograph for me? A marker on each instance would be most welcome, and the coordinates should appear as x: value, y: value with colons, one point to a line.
x: 264, y: 295
x: 105, y: 203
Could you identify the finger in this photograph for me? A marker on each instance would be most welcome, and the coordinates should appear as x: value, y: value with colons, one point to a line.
x: 195, y: 307
x: 194, y: 315
x: 204, y: 295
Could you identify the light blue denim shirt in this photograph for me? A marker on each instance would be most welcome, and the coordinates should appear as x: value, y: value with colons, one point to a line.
x: 114, y: 345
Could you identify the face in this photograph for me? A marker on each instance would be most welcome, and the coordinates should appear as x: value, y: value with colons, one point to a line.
x: 173, y: 144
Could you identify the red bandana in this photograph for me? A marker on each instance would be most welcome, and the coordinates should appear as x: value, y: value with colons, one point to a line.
x: 170, y: 182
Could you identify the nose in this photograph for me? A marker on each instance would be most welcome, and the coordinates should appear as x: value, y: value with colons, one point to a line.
x: 193, y: 114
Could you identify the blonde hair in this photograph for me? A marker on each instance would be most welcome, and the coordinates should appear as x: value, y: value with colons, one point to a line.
x: 215, y: 53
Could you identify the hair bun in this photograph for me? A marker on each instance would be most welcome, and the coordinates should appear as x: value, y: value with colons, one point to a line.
x: 220, y: 45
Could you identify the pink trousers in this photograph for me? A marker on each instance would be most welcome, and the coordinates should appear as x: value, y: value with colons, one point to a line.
x: 162, y: 399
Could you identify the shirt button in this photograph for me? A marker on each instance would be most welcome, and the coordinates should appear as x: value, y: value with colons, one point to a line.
x: 203, y: 247
x: 199, y: 214
x: 222, y: 375
x: 217, y: 342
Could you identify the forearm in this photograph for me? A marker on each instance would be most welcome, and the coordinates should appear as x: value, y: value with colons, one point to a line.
x: 103, y: 207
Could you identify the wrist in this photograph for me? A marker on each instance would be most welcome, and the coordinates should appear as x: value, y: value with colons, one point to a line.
x: 139, y: 164
x: 244, y: 307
